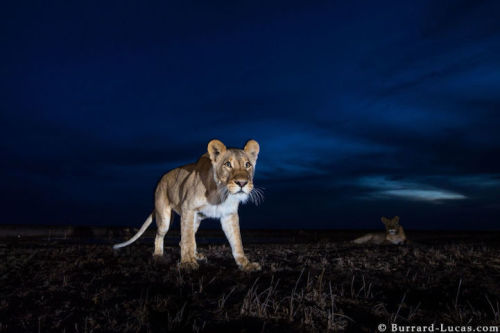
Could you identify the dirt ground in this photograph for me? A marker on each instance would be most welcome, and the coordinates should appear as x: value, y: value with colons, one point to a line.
x: 323, y: 283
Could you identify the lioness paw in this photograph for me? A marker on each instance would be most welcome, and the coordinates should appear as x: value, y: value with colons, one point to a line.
x: 251, y: 267
x: 191, y: 265
x: 159, y: 259
x: 200, y: 257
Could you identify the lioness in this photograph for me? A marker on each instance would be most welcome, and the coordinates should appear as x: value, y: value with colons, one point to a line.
x: 394, y: 234
x: 212, y: 187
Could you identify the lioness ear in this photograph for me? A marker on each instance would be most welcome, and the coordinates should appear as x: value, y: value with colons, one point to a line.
x: 215, y: 149
x: 252, y: 148
x: 396, y: 219
x: 384, y: 219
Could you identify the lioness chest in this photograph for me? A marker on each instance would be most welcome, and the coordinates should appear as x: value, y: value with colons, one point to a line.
x: 396, y: 239
x: 227, y: 207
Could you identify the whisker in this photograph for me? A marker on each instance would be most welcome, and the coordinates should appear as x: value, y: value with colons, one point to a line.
x: 257, y: 195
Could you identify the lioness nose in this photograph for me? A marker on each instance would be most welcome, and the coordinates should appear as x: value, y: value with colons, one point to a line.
x: 241, y: 183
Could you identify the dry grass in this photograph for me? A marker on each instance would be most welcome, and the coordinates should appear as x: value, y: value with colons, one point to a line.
x: 327, y: 286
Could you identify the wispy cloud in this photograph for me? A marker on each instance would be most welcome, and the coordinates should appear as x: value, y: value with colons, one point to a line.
x: 427, y: 195
x: 484, y: 181
x: 383, y: 187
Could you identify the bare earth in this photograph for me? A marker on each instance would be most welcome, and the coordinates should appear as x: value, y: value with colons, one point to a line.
x: 311, y: 281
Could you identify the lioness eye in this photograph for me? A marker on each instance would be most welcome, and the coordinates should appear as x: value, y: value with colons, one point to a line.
x: 228, y: 164
x: 248, y: 165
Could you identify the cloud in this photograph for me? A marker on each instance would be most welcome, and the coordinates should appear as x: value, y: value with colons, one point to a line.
x: 426, y: 195
x: 383, y: 187
x: 483, y: 180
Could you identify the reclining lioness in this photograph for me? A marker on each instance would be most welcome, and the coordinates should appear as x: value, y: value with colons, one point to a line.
x: 212, y: 187
x: 394, y: 234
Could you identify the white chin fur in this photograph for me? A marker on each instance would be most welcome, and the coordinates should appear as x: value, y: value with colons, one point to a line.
x: 242, y: 197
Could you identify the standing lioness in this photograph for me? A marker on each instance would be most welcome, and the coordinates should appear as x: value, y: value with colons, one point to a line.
x: 212, y: 187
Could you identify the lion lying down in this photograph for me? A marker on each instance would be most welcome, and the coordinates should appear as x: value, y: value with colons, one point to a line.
x: 394, y: 234
x: 213, y: 187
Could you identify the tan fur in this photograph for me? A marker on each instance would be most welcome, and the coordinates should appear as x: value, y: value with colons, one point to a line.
x: 394, y: 234
x: 212, y: 187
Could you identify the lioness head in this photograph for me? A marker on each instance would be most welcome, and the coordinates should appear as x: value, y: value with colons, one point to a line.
x: 391, y: 225
x: 234, y: 168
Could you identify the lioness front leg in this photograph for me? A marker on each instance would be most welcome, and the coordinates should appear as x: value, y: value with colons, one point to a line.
x: 188, y: 242
x: 231, y: 226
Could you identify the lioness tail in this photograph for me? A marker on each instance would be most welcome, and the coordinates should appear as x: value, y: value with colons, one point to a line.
x: 137, y: 235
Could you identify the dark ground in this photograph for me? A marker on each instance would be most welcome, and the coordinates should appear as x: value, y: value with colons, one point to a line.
x: 311, y: 281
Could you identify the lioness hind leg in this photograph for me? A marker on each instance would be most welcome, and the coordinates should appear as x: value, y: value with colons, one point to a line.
x: 199, y: 256
x: 163, y: 217
x: 363, y: 239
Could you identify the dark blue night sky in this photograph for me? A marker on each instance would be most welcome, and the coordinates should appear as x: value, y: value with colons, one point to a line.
x: 362, y: 109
